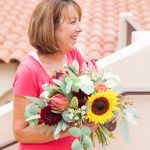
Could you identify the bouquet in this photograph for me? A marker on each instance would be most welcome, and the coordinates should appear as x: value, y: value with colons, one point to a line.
x: 79, y: 97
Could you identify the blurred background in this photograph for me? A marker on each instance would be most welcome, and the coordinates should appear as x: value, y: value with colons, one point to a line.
x: 116, y: 33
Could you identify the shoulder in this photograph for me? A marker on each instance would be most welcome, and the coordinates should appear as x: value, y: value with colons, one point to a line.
x: 28, y: 65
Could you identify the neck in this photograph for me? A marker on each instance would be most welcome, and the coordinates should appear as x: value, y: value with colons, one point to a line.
x: 51, y: 58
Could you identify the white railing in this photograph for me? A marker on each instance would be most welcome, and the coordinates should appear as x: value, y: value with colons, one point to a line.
x: 132, y: 65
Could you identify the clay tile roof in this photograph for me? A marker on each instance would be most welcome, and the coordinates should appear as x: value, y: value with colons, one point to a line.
x: 100, y: 22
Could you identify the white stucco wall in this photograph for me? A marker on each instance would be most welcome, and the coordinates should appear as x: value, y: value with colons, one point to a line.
x: 7, y: 72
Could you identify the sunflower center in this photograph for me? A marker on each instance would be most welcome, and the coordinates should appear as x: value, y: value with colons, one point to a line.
x: 100, y: 106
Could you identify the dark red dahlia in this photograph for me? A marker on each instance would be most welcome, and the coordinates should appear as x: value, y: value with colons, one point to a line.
x: 48, y: 117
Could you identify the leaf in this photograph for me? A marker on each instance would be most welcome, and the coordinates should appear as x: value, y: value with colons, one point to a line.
x: 31, y: 110
x: 63, y: 88
x: 130, y: 117
x: 31, y: 124
x: 75, y: 64
x: 132, y: 111
x: 68, y: 87
x: 71, y: 71
x: 87, y: 141
x: 124, y: 129
x: 76, y: 145
x: 86, y: 130
x: 37, y: 101
x: 58, y: 128
x: 74, y: 131
x: 33, y: 118
x: 65, y: 117
x: 58, y: 82
x: 74, y: 102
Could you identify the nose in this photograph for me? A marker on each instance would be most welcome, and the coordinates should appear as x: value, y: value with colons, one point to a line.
x: 79, y: 28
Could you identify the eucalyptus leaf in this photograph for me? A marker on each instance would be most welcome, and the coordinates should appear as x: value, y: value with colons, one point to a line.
x: 31, y: 124
x: 37, y: 101
x: 33, y: 118
x: 74, y: 131
x: 130, y: 117
x: 68, y: 87
x: 75, y: 64
x: 86, y: 130
x: 65, y: 117
x: 76, y: 145
x: 132, y: 111
x: 72, y: 72
x: 58, y: 127
x: 124, y: 129
x: 56, y: 136
x: 63, y: 89
x: 87, y: 141
x: 31, y: 110
x: 56, y: 81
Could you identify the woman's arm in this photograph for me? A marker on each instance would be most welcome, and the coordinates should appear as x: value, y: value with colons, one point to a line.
x: 22, y: 131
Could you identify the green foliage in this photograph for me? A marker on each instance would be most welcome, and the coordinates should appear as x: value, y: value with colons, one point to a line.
x: 76, y: 145
x: 68, y: 87
x: 124, y: 129
x: 60, y: 126
x: 65, y: 117
x: 74, y: 103
x: 86, y: 130
x: 74, y: 131
x: 56, y: 81
x: 37, y: 101
x: 87, y: 141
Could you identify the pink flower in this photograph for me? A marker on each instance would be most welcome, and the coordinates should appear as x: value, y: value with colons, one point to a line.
x: 59, y: 102
x: 100, y: 87
x: 89, y: 65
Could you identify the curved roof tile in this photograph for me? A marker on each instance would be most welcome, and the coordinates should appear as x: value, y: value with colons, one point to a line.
x: 100, y: 23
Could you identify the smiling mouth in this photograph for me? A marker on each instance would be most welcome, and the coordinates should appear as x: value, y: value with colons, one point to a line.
x: 74, y: 38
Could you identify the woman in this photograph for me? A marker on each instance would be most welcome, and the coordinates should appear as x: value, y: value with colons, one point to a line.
x: 53, y: 29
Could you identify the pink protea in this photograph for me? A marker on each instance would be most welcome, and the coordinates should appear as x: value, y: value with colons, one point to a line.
x: 89, y: 65
x: 59, y: 102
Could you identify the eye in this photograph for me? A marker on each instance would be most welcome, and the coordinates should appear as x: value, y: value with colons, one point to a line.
x: 73, y: 21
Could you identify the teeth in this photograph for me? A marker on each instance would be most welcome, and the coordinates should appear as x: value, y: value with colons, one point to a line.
x: 74, y: 38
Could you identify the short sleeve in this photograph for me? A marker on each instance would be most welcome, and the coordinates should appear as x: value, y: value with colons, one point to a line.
x: 25, y: 82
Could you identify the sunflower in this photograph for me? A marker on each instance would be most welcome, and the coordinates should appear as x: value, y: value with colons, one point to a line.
x: 101, y: 106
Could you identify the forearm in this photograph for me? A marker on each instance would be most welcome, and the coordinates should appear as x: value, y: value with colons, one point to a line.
x: 36, y: 135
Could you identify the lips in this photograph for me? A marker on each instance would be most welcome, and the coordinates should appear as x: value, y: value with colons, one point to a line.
x: 74, y: 37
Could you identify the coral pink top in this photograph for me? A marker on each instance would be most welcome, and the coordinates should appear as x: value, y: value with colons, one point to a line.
x: 30, y: 76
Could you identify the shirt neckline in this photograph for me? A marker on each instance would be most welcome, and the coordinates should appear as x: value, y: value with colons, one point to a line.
x: 34, y: 55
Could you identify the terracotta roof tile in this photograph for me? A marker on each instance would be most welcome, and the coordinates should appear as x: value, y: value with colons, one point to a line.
x: 100, y: 23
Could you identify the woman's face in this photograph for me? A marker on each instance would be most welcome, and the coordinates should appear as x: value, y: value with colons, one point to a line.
x: 67, y: 31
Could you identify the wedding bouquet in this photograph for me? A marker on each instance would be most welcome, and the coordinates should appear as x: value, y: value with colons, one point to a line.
x: 78, y: 97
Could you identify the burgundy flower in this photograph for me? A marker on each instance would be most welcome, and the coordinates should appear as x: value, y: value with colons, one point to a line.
x: 48, y: 117
x: 81, y: 97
